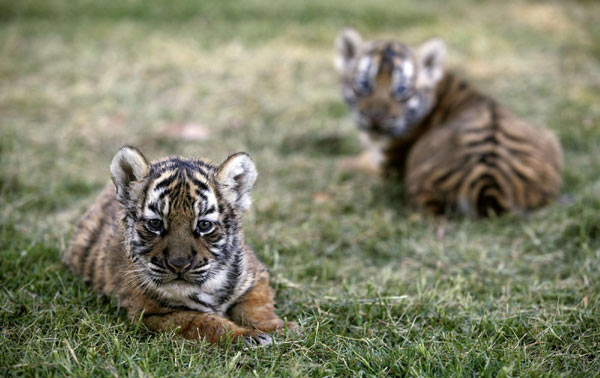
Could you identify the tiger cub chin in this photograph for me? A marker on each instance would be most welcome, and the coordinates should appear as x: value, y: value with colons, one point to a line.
x: 456, y: 148
x: 166, y: 241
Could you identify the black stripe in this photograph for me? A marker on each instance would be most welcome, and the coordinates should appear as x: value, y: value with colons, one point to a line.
x: 460, y: 166
x: 201, y: 195
x: 233, y: 276
x: 498, y: 170
x: 140, y: 248
x: 489, y: 139
x: 200, y: 281
x: 157, y: 270
x: 518, y: 153
x: 487, y: 159
x: 154, y: 207
x: 202, y: 303
x: 485, y: 203
x: 155, y: 260
x: 176, y: 190
x: 514, y: 138
x: 168, y: 305
x: 166, y: 182
x: 198, y: 183
x: 163, y: 194
x: 520, y: 175
x: 483, y: 177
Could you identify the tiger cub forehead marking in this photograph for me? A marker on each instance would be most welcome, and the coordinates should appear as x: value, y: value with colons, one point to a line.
x: 182, y: 190
x: 394, y: 55
x: 391, y: 61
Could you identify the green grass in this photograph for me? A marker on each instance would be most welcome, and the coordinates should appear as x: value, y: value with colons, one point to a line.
x: 377, y: 288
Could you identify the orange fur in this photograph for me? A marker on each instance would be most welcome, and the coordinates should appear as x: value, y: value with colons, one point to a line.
x: 208, y: 286
x: 455, y: 148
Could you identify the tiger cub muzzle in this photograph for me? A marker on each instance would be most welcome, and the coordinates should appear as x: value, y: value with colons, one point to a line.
x: 182, y: 255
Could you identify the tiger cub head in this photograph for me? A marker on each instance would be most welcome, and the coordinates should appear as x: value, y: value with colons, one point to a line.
x: 182, y: 217
x: 389, y: 86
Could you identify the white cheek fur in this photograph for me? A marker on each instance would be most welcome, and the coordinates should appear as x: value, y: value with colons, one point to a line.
x: 414, y: 102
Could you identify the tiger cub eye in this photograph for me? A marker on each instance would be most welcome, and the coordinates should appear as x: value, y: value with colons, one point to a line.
x: 401, y: 92
x: 363, y: 87
x: 155, y: 225
x: 204, y: 227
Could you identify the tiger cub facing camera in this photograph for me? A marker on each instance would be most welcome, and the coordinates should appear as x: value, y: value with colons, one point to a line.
x: 166, y: 241
x: 455, y: 148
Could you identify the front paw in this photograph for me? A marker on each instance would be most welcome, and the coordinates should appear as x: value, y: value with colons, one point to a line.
x: 258, y: 340
x: 276, y: 325
x: 362, y: 163
x: 350, y: 163
x: 282, y: 327
x: 292, y: 327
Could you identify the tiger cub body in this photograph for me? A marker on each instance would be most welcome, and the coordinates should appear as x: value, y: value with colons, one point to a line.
x: 455, y: 148
x: 166, y: 241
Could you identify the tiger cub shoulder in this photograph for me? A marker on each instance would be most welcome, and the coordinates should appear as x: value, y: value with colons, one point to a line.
x: 166, y: 240
x: 456, y: 148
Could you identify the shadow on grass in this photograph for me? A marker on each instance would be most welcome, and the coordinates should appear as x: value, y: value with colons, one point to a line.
x: 321, y: 144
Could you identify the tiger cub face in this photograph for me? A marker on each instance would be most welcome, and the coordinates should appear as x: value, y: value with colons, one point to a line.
x: 389, y: 86
x: 182, y: 217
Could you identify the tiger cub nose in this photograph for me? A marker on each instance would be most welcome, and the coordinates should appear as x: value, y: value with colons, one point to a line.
x: 180, y: 264
x: 377, y: 113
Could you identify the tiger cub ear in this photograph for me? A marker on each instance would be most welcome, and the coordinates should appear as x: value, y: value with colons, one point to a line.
x: 347, y: 45
x: 236, y: 177
x: 430, y: 58
x: 128, y: 165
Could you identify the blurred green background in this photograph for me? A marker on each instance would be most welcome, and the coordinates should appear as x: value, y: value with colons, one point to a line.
x: 378, y: 288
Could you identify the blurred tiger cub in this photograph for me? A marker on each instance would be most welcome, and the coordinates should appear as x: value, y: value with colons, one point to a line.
x: 166, y: 241
x: 456, y: 148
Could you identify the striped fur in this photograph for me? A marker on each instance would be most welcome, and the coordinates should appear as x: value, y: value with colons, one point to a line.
x: 166, y: 241
x: 455, y: 148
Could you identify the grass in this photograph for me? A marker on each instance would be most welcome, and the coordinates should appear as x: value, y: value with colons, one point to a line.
x: 377, y: 288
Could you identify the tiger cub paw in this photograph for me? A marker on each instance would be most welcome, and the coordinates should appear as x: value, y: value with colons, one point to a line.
x: 258, y: 340
x: 277, y: 325
x: 361, y: 163
x: 291, y: 327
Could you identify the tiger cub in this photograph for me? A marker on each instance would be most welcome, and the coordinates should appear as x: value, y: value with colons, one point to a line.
x: 166, y: 241
x: 455, y: 148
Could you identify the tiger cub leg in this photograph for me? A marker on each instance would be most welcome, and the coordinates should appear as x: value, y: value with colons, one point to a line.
x: 197, y: 325
x: 362, y: 163
x: 368, y: 162
x: 371, y: 160
x: 256, y: 310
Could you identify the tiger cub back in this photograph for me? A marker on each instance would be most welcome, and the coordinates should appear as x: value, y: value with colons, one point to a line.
x: 455, y: 148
